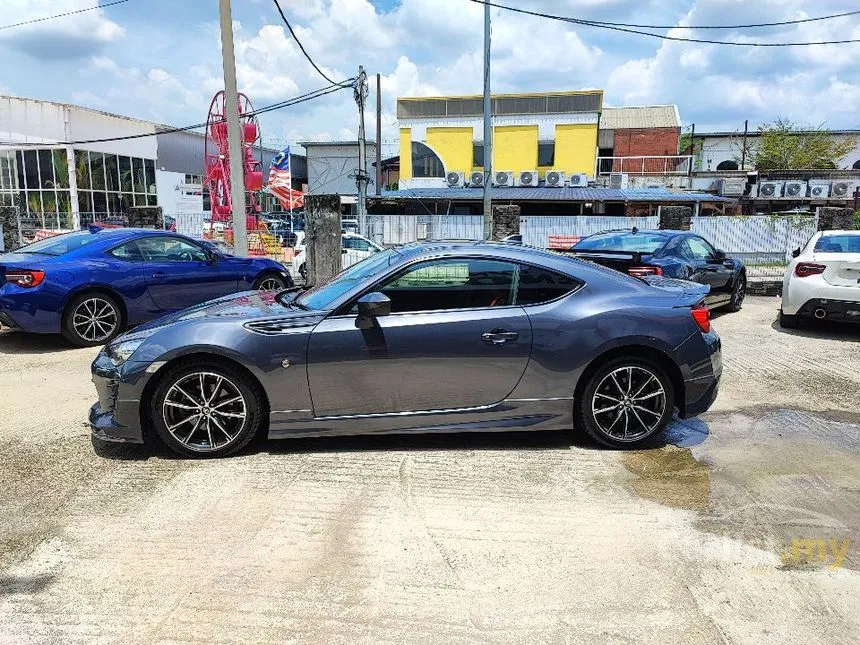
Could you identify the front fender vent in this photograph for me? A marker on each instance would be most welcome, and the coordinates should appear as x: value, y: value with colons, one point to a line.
x: 277, y: 326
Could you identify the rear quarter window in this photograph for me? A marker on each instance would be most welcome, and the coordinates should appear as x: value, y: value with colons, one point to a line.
x: 537, y: 285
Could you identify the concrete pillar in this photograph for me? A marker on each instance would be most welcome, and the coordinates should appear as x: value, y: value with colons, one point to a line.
x: 8, y: 229
x: 835, y: 219
x: 676, y: 218
x: 322, y: 238
x: 506, y: 220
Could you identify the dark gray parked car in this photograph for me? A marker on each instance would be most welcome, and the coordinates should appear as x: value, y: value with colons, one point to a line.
x: 432, y: 337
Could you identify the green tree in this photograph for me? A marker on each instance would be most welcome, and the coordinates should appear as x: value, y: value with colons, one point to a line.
x: 784, y: 145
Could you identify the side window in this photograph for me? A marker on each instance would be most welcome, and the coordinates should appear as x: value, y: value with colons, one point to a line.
x: 356, y: 244
x: 128, y: 252
x: 538, y: 285
x: 170, y: 249
x: 462, y: 283
x: 700, y: 249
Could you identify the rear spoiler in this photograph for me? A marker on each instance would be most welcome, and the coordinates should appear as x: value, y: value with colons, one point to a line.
x: 689, y: 293
x: 634, y: 256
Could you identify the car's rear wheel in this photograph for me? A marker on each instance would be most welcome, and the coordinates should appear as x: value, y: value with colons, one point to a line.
x: 738, y: 294
x: 787, y: 321
x: 206, y: 409
x: 625, y: 402
x: 270, y: 282
x: 92, y: 319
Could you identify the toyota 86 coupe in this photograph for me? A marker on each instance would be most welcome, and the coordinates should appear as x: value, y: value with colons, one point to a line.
x: 90, y: 285
x: 424, y: 338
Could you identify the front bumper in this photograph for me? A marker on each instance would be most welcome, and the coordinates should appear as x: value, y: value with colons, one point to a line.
x: 116, y: 415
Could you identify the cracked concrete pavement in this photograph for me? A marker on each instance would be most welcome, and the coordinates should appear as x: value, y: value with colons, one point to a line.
x: 530, y: 537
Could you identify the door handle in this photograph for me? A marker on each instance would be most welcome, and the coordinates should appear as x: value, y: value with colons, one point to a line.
x: 499, y: 336
x: 159, y: 275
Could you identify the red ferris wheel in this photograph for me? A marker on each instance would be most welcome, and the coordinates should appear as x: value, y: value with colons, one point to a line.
x: 217, y: 156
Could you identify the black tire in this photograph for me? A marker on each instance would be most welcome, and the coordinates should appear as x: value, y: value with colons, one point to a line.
x: 787, y: 321
x: 232, y: 435
x: 654, y: 407
x: 92, y: 319
x: 303, y: 271
x: 738, y: 293
x: 268, y: 282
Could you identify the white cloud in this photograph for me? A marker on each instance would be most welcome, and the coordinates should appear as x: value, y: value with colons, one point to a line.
x: 63, y: 37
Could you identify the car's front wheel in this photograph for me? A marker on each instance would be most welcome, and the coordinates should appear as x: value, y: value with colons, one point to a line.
x: 206, y: 409
x: 303, y: 271
x: 738, y: 293
x: 92, y: 319
x: 626, y: 401
x: 270, y: 282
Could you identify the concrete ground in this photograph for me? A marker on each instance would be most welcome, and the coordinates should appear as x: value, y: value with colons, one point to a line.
x: 506, y: 538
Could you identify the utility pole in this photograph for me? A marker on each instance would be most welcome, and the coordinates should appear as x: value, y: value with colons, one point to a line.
x: 378, y: 135
x: 488, y: 131
x: 744, y: 146
x: 692, y: 150
x: 234, y: 136
x: 361, y: 178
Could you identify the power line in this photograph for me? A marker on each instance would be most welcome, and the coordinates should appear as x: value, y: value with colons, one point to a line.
x: 60, y: 15
x: 298, y: 42
x: 269, y: 108
x: 610, y: 26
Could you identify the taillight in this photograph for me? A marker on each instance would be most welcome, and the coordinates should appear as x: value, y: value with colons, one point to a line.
x: 24, y: 277
x: 806, y: 269
x: 297, y: 252
x: 638, y: 272
x: 702, y: 316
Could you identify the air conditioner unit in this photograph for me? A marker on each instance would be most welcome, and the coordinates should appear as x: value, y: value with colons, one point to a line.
x: 454, y: 179
x: 819, y: 189
x: 476, y: 179
x: 770, y: 189
x: 579, y: 180
x: 734, y: 186
x: 503, y: 178
x: 528, y: 178
x: 618, y: 180
x: 843, y: 189
x: 794, y: 190
x: 554, y: 179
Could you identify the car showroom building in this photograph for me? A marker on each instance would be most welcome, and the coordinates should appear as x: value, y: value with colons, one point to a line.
x: 114, y: 163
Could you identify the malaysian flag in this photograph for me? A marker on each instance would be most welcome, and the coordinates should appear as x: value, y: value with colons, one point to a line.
x: 280, y: 182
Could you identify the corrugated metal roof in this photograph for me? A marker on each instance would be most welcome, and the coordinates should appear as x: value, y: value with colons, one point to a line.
x: 566, y: 194
x: 646, y: 116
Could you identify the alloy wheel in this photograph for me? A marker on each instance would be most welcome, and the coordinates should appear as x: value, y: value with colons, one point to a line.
x: 204, y: 411
x: 271, y: 284
x: 739, y: 292
x: 95, y: 319
x: 629, y: 403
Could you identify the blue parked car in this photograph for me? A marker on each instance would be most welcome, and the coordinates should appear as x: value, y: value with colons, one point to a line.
x: 91, y: 285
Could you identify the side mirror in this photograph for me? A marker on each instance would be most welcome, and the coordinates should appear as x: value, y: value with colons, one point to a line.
x: 720, y: 255
x: 370, y: 307
x: 795, y: 253
x: 213, y: 256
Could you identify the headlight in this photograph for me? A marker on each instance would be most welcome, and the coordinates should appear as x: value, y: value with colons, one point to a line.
x: 122, y: 348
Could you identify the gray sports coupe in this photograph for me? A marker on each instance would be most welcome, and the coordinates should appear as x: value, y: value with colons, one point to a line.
x: 429, y: 337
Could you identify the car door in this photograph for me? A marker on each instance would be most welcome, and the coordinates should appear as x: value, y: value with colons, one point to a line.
x: 707, y: 269
x: 453, y: 340
x: 180, y: 274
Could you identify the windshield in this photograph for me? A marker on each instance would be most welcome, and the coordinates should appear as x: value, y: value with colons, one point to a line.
x: 59, y: 244
x: 848, y: 243
x: 321, y: 296
x: 626, y: 241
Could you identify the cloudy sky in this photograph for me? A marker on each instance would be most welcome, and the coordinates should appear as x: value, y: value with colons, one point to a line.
x: 160, y: 59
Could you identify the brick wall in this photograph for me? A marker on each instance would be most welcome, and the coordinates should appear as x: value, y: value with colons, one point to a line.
x: 637, y: 142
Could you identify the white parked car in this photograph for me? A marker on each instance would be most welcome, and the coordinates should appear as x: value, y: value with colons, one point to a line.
x: 354, y: 249
x: 823, y: 280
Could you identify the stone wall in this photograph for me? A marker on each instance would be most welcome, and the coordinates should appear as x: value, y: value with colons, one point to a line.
x: 676, y: 218
x: 835, y: 219
x: 506, y: 221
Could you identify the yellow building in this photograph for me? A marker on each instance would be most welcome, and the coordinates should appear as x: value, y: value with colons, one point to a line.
x: 531, y: 132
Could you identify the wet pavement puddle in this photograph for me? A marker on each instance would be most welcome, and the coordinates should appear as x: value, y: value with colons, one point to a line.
x: 782, y: 480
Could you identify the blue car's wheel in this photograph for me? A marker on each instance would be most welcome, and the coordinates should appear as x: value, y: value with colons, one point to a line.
x: 205, y: 408
x: 625, y: 402
x: 270, y: 282
x: 92, y: 319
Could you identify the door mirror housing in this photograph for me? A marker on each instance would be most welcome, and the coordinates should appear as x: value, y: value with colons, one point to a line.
x: 795, y: 252
x: 370, y: 307
x: 719, y: 255
x: 212, y: 256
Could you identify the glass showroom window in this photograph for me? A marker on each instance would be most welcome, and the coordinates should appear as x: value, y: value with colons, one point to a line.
x: 41, y: 180
x: 110, y: 184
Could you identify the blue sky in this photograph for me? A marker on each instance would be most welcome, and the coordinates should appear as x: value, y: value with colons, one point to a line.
x: 160, y: 59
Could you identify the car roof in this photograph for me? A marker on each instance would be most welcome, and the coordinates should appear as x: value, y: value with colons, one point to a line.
x: 839, y: 232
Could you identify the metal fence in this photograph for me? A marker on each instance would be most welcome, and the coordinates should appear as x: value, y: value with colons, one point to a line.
x: 646, y: 165
x: 402, y: 229
x: 540, y: 230
x: 763, y: 242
